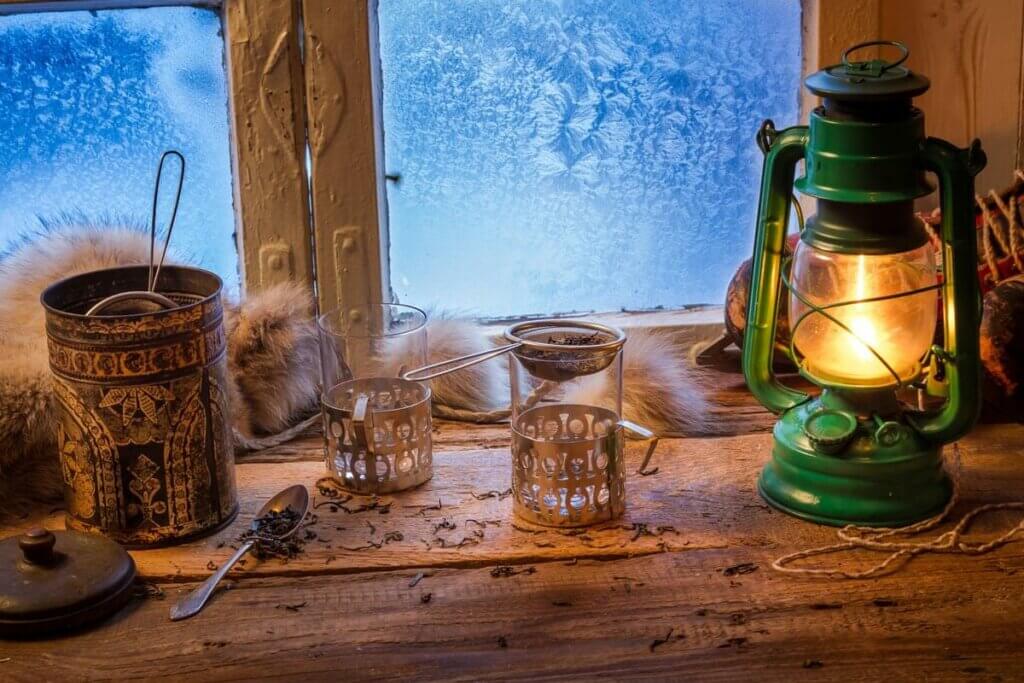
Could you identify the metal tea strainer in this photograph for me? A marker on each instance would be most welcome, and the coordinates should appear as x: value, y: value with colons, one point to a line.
x: 551, y: 349
x: 149, y: 300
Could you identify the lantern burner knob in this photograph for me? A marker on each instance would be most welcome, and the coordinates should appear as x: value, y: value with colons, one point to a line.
x: 888, y: 433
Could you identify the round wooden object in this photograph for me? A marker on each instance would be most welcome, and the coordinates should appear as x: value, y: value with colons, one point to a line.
x: 736, y: 298
x: 1002, y: 347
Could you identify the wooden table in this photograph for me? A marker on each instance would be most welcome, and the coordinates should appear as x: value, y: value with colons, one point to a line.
x: 443, y: 583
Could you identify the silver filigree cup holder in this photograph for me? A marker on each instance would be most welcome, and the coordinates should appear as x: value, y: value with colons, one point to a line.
x: 567, y: 465
x: 377, y: 434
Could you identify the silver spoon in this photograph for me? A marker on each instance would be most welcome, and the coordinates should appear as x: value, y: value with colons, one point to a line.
x: 294, y: 497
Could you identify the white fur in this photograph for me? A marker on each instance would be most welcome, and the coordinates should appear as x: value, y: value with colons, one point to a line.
x: 659, y: 387
x: 481, y: 387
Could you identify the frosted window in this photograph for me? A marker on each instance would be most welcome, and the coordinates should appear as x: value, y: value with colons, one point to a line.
x: 578, y: 155
x: 89, y: 101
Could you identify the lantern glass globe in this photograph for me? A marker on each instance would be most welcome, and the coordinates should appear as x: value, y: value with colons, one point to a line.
x: 899, y: 329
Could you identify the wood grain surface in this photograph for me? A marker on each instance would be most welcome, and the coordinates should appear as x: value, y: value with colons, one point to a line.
x: 681, y: 588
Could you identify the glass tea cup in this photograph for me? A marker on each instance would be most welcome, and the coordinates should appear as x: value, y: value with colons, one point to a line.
x: 377, y: 426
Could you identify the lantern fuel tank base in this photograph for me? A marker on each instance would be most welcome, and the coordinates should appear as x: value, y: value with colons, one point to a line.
x: 879, y: 473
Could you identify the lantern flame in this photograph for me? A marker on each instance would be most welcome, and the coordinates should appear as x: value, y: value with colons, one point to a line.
x: 898, y: 329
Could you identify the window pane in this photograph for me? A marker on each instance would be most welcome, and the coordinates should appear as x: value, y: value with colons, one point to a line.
x: 89, y: 102
x: 585, y: 155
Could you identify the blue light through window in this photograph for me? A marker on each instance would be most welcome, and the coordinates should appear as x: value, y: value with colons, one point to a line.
x: 89, y: 101
x: 579, y: 154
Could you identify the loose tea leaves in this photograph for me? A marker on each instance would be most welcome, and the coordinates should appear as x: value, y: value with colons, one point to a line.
x: 147, y: 590
x: 742, y: 568
x: 564, y: 365
x: 505, y: 571
x: 337, y: 499
x: 267, y: 532
x: 661, y: 641
x: 500, y: 495
x: 292, y: 608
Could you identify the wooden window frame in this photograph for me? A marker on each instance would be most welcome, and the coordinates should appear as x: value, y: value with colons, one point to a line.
x: 346, y: 141
x: 266, y: 105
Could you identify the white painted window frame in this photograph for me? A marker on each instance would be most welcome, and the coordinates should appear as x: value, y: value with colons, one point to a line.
x: 267, y: 114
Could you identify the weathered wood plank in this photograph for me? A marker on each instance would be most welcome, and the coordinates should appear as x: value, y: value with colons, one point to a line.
x: 702, y: 497
x: 268, y: 117
x: 340, y: 62
x: 581, y: 621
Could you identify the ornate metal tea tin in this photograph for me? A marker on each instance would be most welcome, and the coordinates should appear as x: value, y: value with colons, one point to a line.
x: 144, y: 435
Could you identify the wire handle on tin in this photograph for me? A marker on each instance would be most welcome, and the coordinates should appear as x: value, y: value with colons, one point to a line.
x: 154, y: 275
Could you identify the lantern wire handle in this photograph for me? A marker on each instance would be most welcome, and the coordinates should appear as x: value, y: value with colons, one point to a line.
x: 823, y: 310
x: 904, y: 50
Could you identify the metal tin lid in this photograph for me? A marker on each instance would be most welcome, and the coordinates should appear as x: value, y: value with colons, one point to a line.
x: 59, y: 580
x: 871, y: 80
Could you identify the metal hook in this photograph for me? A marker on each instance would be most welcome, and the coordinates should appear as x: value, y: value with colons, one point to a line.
x: 154, y: 275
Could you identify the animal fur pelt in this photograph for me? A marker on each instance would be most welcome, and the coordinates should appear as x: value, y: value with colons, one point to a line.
x: 479, y: 388
x: 273, y: 358
x: 273, y: 362
x: 660, y: 387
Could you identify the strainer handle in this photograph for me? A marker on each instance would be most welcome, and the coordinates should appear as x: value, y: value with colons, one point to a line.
x: 463, y: 362
x: 642, y: 433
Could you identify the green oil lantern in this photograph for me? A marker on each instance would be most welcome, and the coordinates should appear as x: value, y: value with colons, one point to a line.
x: 864, y: 298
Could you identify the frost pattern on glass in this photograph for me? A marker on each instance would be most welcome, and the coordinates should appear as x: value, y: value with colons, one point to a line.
x: 578, y: 155
x: 90, y: 100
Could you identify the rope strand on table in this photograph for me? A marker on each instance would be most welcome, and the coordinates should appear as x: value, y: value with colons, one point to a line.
x: 873, y: 538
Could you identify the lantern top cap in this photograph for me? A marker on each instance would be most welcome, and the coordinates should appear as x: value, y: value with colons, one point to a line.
x: 866, y: 81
